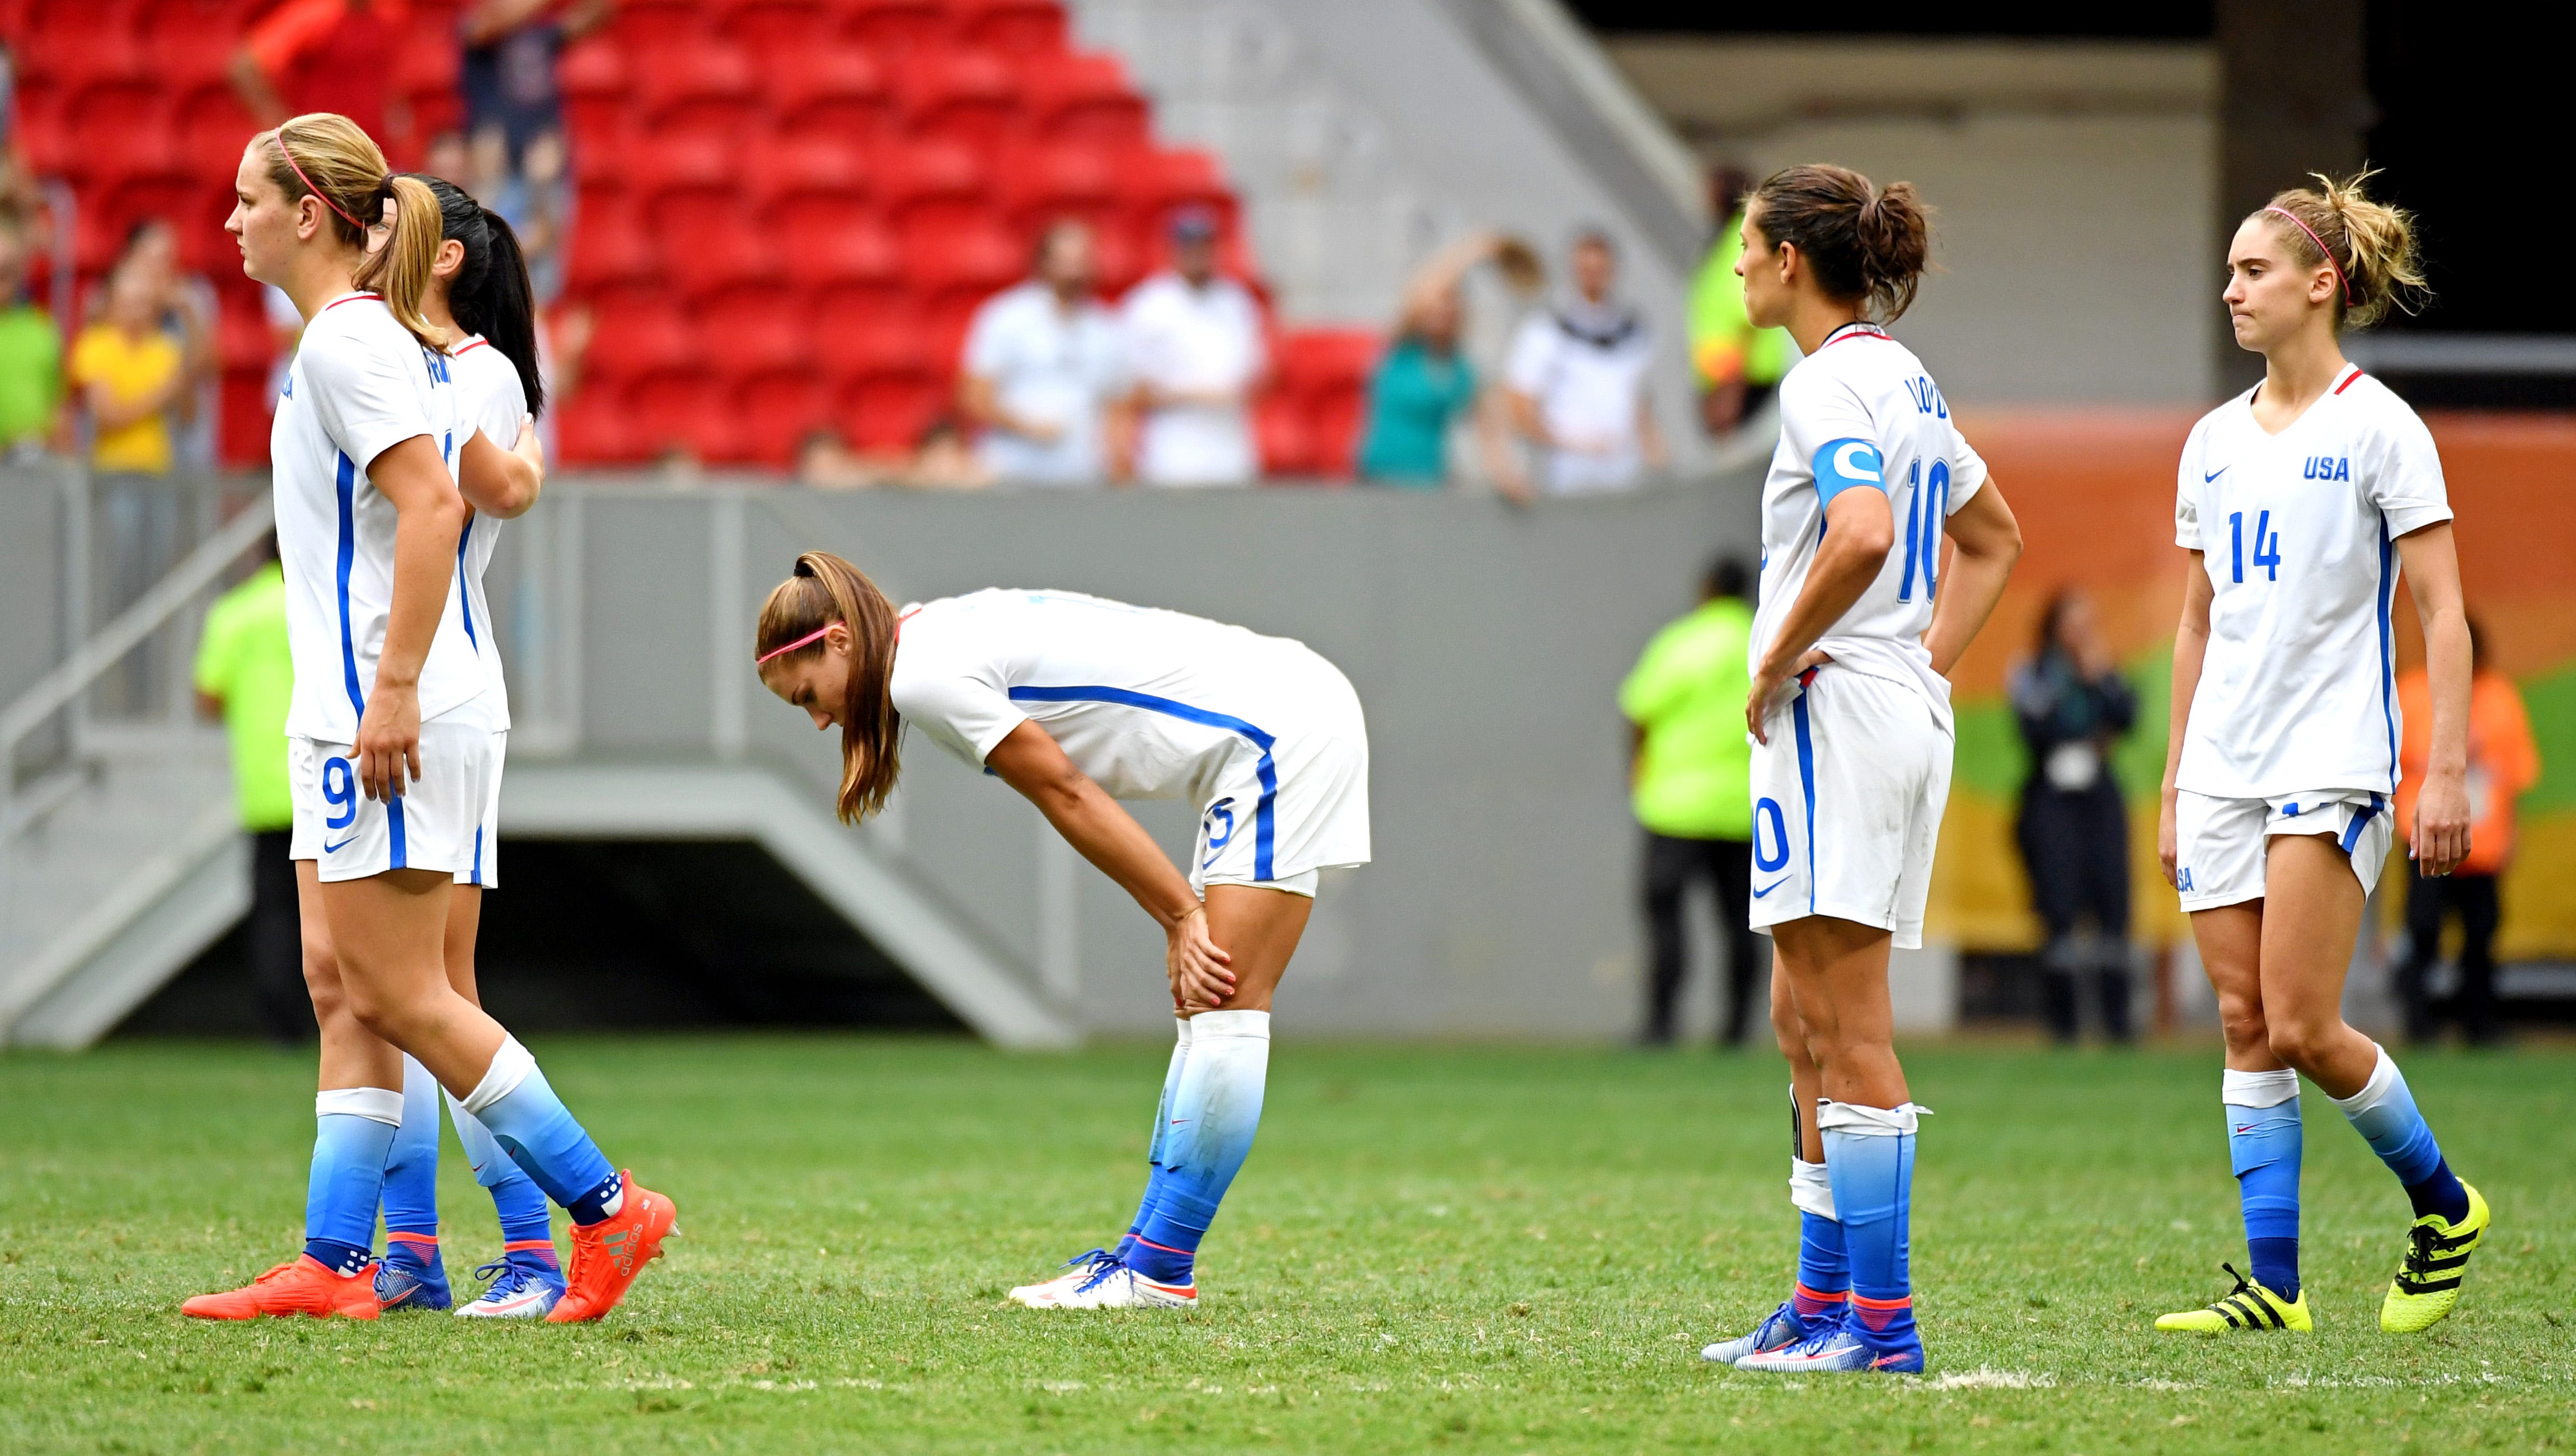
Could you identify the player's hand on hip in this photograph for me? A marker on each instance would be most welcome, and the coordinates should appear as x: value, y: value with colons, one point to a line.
x: 1197, y: 966
x: 388, y: 744
x: 2169, y: 842
x: 1771, y: 686
x: 2441, y: 829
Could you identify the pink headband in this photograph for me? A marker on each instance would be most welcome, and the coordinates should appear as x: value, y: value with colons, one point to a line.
x: 2322, y: 248
x: 309, y: 187
x: 808, y: 640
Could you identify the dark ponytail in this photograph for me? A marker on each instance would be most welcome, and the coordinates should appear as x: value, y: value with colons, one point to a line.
x: 491, y: 294
x: 1866, y: 245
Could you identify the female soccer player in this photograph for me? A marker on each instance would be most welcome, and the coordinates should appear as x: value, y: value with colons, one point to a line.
x: 389, y: 785
x: 479, y: 294
x: 1850, y: 713
x: 1078, y: 702
x: 2298, y: 500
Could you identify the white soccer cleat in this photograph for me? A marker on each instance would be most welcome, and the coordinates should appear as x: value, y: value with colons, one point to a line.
x: 521, y: 1288
x: 1119, y: 1287
x: 1779, y: 1329
x: 1042, y: 1295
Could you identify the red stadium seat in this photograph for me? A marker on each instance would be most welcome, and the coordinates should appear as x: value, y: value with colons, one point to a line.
x: 1286, y: 442
x: 593, y: 78
x: 611, y: 245
x: 896, y: 27
x: 1057, y: 179
x: 838, y: 92
x: 777, y: 32
x: 710, y: 241
x: 827, y: 240
x: 1019, y: 27
x: 1157, y: 184
x: 1315, y: 361
x: 84, y: 42
x: 122, y: 130
x: 660, y: 35
x: 40, y: 128
x: 789, y: 168
x: 748, y: 328
x: 856, y: 337
x: 244, y: 341
x: 933, y: 180
x: 633, y: 342
x: 777, y: 409
x: 1084, y: 98
x: 712, y: 89
x: 592, y: 429
x: 211, y: 130
x: 190, y: 41
x: 688, y: 410
x: 242, y: 421
x: 978, y: 256
x: 682, y: 162
x: 890, y: 412
x: 968, y: 96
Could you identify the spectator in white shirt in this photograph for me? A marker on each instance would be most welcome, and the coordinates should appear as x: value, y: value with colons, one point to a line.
x: 1044, y: 369
x: 1194, y: 346
x: 1577, y: 382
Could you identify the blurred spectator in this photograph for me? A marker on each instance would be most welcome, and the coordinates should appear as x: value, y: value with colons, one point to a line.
x: 1424, y: 382
x: 448, y: 157
x: 508, y: 68
x: 1736, y: 365
x: 31, y: 353
x: 285, y: 331
x: 536, y: 200
x: 1690, y: 776
x: 188, y: 310
x: 132, y: 375
x: 325, y: 55
x: 1195, y: 350
x: 942, y: 460
x: 1577, y: 376
x: 2504, y: 762
x: 1044, y: 370
x: 245, y: 676
x: 2073, y: 706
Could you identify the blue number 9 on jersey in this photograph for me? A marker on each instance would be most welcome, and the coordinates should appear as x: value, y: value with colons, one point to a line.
x: 340, y: 791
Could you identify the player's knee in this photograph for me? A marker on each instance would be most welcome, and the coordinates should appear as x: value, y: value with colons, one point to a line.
x: 2242, y: 1023
x: 2299, y: 1042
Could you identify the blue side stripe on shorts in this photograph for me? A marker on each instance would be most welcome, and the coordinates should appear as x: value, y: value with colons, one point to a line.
x: 394, y: 828
x: 1267, y: 770
x: 2360, y: 820
x: 1807, y: 782
x: 464, y: 598
x: 477, y: 877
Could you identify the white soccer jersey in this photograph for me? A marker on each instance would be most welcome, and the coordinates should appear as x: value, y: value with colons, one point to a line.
x: 1150, y: 704
x: 1861, y: 411
x: 359, y: 385
x: 2297, y: 533
x: 493, y: 400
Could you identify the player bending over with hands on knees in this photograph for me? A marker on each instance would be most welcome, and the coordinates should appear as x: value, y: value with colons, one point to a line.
x: 1850, y: 715
x: 1078, y: 702
x: 2298, y: 500
x: 390, y: 754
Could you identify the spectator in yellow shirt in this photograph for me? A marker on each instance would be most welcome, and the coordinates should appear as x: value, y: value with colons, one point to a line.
x: 131, y: 376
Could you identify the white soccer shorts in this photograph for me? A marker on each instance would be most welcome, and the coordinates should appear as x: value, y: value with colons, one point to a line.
x: 1291, y: 807
x: 2219, y: 842
x: 1847, y: 801
x: 437, y: 823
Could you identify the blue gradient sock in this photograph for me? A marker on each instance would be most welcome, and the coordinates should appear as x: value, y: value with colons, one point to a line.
x: 2384, y: 1113
x: 411, y: 1171
x: 1869, y: 1154
x: 1824, y: 1266
x: 2264, y: 1142
x: 1215, y: 1111
x: 353, y: 1130
x: 532, y: 1125
x: 526, y: 1220
x: 1162, y: 1125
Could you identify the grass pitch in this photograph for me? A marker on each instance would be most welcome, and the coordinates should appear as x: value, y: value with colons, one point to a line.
x: 1457, y: 1249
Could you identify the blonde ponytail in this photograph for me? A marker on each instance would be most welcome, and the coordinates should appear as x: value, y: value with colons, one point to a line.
x: 825, y: 589
x: 2370, y: 245
x: 400, y: 270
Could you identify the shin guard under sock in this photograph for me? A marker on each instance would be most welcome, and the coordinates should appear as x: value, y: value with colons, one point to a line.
x: 1214, y: 1114
x: 1869, y: 1156
x: 2264, y: 1143
x: 353, y: 1130
x: 532, y: 1125
x: 1824, y: 1267
x: 2384, y: 1113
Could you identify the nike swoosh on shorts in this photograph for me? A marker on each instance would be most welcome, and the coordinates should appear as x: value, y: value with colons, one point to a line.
x: 1767, y: 889
x: 343, y: 844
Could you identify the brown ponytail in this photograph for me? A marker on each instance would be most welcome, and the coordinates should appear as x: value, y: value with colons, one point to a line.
x: 324, y: 155
x: 826, y: 589
x: 1867, y: 245
x: 2370, y: 245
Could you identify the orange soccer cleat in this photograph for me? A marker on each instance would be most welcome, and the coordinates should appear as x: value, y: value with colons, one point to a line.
x: 302, y: 1286
x: 608, y: 1255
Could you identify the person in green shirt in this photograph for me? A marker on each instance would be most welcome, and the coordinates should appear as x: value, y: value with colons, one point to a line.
x: 31, y: 353
x: 245, y: 676
x: 1736, y: 364
x: 1689, y: 767
x: 1424, y: 381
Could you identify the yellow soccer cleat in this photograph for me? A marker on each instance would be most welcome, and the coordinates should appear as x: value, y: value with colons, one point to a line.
x: 2428, y: 1282
x: 2249, y: 1306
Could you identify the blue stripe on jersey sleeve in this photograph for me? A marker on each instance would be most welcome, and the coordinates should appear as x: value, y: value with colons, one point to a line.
x: 1843, y: 464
